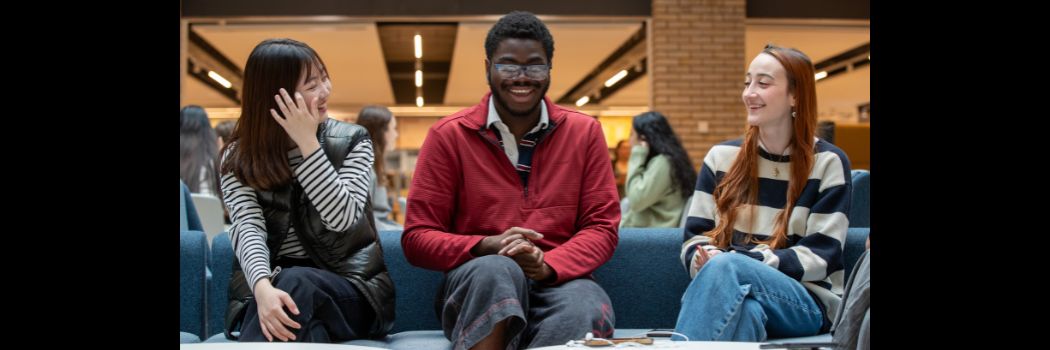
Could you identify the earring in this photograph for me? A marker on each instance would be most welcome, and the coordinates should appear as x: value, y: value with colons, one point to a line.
x: 794, y: 114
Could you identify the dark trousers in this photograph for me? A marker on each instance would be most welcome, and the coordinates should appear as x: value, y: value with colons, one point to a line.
x: 330, y: 308
x: 486, y: 290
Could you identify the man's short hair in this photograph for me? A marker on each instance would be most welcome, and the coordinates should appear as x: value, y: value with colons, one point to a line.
x: 519, y: 25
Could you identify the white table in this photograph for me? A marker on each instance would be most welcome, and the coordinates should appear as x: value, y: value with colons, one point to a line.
x: 667, y: 344
x: 271, y: 346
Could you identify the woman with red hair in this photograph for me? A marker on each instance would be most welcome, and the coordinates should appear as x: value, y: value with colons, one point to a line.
x: 765, y: 231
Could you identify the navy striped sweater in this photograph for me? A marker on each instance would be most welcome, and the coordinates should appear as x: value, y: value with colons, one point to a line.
x: 816, y: 229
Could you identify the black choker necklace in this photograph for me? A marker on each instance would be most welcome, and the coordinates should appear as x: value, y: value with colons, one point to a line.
x: 777, y: 159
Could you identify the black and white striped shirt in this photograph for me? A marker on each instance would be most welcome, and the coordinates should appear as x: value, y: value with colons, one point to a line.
x: 339, y: 197
x: 816, y: 231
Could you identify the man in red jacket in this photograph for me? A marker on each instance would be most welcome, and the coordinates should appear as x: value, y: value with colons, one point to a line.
x: 515, y: 201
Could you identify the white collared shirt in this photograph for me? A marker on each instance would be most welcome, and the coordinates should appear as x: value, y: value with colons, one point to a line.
x: 510, y: 145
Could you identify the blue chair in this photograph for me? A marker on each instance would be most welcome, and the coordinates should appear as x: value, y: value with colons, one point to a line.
x: 414, y: 287
x: 860, y: 206
x: 188, y: 212
x: 184, y: 223
x: 220, y: 263
x: 192, y: 261
x: 192, y: 292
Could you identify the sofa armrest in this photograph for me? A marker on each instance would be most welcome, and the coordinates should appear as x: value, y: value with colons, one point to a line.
x: 860, y: 202
x: 221, y: 265
x: 193, y: 251
x: 856, y: 237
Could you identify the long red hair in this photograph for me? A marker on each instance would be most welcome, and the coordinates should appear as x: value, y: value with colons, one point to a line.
x: 739, y: 186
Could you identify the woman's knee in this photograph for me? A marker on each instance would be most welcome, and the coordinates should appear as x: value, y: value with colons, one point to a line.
x: 752, y: 310
x: 296, y: 277
x: 728, y: 262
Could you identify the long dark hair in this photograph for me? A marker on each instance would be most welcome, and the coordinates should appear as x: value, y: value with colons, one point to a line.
x: 654, y: 129
x: 197, y: 148
x: 376, y: 119
x: 258, y: 146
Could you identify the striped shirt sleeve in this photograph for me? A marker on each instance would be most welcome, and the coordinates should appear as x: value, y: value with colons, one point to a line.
x: 700, y: 217
x: 248, y: 232
x: 340, y: 196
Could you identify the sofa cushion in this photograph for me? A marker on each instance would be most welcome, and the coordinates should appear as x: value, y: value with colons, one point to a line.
x: 187, y: 338
x: 822, y: 338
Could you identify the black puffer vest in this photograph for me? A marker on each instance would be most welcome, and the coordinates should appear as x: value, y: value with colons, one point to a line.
x: 354, y: 254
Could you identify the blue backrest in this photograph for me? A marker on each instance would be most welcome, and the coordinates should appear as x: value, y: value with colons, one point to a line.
x: 184, y: 223
x: 415, y: 287
x: 860, y: 206
x: 188, y: 211
x: 644, y: 278
x: 192, y: 261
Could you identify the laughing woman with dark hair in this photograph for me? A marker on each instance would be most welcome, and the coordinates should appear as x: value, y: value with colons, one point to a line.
x: 296, y: 185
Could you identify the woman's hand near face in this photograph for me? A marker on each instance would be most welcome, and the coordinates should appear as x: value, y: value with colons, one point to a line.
x: 300, y: 120
x: 635, y: 140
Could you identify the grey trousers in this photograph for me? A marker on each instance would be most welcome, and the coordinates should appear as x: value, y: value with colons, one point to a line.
x: 489, y: 289
x: 851, y: 328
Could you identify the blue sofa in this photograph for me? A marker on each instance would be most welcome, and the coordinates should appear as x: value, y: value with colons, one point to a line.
x: 644, y: 279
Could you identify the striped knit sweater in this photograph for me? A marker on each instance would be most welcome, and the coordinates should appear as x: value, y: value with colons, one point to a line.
x: 816, y: 230
x: 339, y: 197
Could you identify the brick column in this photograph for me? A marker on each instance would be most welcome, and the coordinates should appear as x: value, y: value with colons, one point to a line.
x: 698, y: 70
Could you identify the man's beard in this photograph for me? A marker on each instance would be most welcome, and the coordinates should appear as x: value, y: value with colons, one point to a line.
x: 513, y: 113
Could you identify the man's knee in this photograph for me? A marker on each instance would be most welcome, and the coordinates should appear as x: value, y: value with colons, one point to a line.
x: 493, y: 269
x: 593, y: 318
x: 588, y: 306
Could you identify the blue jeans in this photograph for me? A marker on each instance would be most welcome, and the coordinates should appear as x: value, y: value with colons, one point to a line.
x: 737, y: 298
